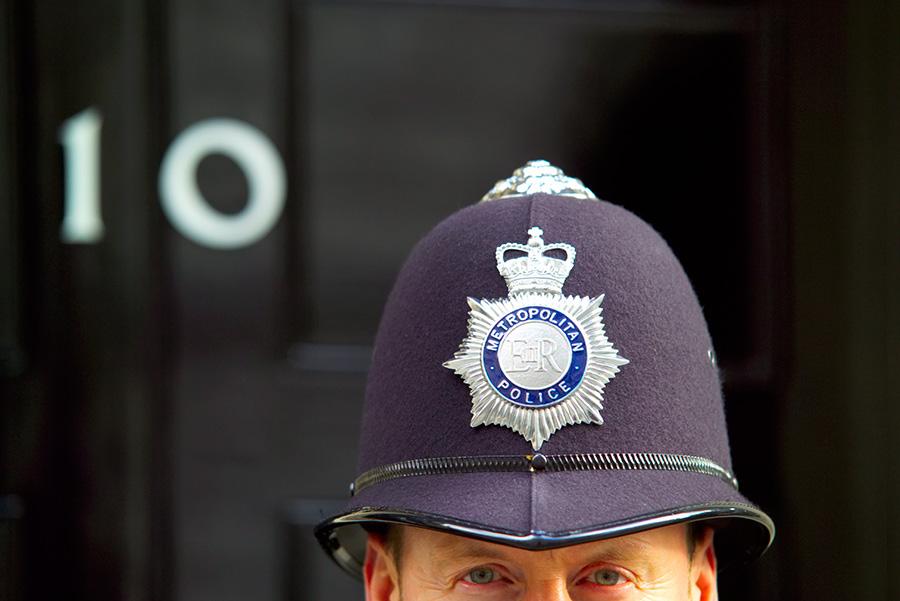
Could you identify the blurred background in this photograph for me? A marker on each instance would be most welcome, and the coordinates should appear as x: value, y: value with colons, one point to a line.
x: 203, y: 206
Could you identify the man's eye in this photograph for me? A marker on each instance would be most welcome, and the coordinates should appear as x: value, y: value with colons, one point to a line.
x: 481, y: 576
x: 607, y: 577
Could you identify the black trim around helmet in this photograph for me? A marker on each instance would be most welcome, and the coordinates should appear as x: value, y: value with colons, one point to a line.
x: 745, y: 531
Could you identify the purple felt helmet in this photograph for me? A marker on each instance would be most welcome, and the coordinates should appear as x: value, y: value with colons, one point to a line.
x: 543, y: 376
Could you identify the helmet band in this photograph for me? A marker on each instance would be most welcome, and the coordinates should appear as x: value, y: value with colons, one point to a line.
x: 539, y: 462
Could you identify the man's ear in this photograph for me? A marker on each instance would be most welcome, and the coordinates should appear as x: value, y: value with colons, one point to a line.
x: 380, y: 571
x: 703, y: 568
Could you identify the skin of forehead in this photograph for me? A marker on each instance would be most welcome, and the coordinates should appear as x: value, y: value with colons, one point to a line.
x: 642, y: 544
x: 650, y: 554
x: 457, y: 545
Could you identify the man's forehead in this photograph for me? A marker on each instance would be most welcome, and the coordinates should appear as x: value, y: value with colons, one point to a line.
x: 645, y: 544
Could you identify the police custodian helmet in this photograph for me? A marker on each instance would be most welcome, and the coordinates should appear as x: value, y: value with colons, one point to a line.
x: 543, y: 376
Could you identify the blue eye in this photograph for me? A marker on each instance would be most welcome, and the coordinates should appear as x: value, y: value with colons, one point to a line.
x: 607, y: 577
x: 481, y: 576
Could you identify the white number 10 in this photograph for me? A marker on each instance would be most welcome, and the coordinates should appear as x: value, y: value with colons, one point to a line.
x: 181, y: 199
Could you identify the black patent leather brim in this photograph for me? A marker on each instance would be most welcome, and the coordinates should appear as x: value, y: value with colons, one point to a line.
x: 497, y: 508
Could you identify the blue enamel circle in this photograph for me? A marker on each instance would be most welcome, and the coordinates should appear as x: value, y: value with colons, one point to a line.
x: 534, y: 356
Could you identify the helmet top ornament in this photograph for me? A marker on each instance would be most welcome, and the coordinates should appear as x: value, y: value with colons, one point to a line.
x: 507, y: 412
x: 539, y: 177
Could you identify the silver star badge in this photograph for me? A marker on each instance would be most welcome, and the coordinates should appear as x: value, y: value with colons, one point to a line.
x: 537, y: 360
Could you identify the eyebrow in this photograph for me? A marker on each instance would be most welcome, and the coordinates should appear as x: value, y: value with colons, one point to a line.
x: 615, y: 550
x: 625, y: 551
x: 465, y: 547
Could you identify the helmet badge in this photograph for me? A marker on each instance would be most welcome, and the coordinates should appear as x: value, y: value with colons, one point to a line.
x: 537, y: 360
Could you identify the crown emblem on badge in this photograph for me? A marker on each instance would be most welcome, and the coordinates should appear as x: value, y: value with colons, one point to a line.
x: 536, y: 270
x: 537, y: 360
